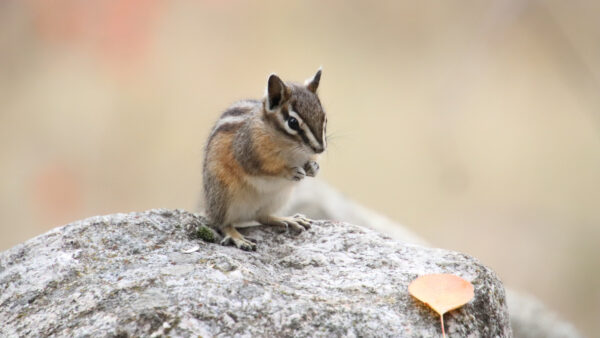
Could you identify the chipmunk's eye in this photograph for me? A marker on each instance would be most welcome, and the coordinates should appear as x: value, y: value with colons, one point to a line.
x: 293, y: 123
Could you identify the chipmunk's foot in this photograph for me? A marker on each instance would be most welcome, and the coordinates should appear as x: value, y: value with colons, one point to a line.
x: 297, y: 222
x: 311, y: 168
x: 233, y: 236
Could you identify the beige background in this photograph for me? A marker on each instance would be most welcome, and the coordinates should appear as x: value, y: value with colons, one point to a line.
x: 475, y: 123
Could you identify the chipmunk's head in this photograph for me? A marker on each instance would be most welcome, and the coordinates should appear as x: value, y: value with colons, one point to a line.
x: 296, y: 112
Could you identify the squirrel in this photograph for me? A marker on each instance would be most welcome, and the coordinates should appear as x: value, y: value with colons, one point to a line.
x: 255, y: 154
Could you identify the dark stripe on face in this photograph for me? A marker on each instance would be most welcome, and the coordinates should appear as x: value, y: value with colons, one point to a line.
x: 304, y: 137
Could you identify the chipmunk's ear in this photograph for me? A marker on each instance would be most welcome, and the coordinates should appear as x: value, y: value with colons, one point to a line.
x: 313, y: 84
x: 277, y: 92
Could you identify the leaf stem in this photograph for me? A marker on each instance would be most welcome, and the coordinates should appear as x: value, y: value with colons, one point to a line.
x: 442, y: 322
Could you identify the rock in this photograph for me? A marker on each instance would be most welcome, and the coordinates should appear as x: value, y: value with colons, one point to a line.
x: 127, y: 275
x: 529, y: 317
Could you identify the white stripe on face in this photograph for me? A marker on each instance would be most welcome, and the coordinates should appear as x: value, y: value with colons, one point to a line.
x: 311, y: 138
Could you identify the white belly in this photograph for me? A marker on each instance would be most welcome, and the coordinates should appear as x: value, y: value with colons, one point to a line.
x: 264, y: 197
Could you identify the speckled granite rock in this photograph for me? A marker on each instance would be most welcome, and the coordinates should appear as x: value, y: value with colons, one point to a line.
x: 127, y: 275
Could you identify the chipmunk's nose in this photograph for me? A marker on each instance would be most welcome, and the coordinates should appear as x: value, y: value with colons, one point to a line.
x: 319, y: 150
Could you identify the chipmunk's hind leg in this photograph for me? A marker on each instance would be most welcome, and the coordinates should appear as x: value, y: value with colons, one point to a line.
x: 297, y: 222
x: 231, y: 235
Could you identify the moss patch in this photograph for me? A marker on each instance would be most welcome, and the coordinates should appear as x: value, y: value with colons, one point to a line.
x: 206, y: 234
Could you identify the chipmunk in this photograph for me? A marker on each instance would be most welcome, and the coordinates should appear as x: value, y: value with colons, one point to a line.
x: 255, y: 154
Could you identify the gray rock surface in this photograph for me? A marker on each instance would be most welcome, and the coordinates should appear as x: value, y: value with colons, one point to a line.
x: 127, y: 275
x: 529, y: 317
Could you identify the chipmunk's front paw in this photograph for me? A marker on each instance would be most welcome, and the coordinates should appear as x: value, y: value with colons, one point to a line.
x: 297, y: 223
x: 301, y: 220
x: 297, y: 174
x: 311, y: 168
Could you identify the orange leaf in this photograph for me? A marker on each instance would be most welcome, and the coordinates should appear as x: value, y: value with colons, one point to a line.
x: 442, y: 292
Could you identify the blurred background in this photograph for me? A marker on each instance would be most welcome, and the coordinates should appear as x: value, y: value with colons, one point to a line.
x: 474, y: 123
